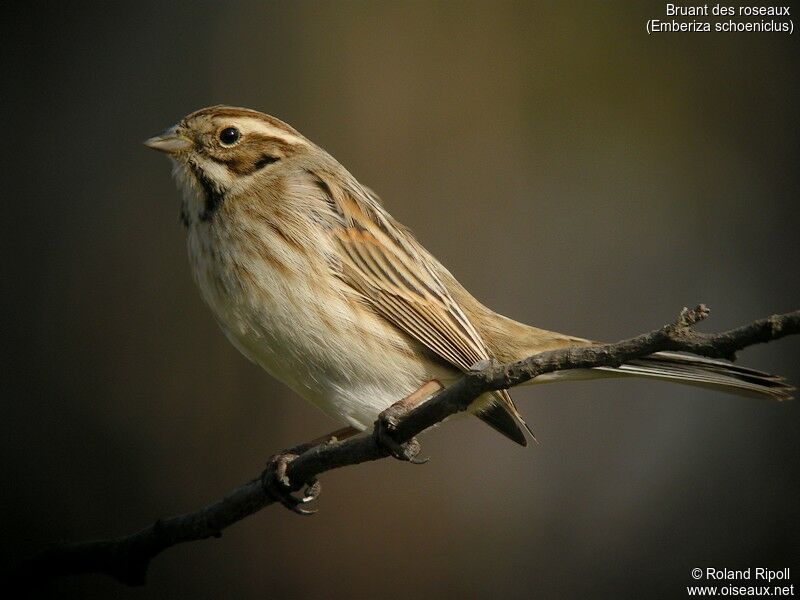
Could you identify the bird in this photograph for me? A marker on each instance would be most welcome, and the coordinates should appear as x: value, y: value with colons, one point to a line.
x: 312, y: 279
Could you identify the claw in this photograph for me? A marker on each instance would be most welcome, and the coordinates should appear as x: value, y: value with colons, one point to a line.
x: 277, y: 486
x: 386, y: 423
x: 312, y: 491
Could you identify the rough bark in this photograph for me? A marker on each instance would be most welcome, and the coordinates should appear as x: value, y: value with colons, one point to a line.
x: 126, y: 558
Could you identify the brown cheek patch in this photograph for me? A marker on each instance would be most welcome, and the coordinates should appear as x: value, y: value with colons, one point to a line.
x: 253, y: 154
x: 266, y: 159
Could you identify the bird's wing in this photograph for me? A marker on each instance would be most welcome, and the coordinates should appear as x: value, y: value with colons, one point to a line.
x: 397, y: 278
x: 404, y: 291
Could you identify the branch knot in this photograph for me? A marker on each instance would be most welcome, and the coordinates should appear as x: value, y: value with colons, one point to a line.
x: 690, y: 317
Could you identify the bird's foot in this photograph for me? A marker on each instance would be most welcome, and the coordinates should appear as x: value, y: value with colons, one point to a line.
x: 277, y: 486
x: 383, y: 431
x: 388, y: 420
x: 275, y: 480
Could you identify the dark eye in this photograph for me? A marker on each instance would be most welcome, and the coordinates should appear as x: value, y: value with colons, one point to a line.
x: 229, y: 136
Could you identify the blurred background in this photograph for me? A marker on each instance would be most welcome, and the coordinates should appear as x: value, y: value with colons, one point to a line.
x: 572, y: 171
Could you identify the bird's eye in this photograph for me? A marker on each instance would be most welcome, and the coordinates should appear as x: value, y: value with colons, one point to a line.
x: 229, y: 136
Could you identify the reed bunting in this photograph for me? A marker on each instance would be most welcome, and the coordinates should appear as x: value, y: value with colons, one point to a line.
x: 313, y: 280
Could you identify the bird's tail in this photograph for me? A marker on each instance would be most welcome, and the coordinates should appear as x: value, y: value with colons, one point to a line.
x: 515, y: 341
x: 691, y: 370
x: 511, y: 340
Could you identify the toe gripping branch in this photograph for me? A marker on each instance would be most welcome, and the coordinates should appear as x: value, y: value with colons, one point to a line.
x: 275, y: 480
x: 388, y: 420
x: 277, y: 486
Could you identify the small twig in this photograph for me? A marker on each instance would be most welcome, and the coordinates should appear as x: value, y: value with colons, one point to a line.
x: 126, y: 558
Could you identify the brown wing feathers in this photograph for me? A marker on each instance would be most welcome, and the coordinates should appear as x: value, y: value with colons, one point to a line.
x: 383, y: 265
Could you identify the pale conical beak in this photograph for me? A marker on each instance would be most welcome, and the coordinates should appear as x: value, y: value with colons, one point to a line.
x: 169, y: 141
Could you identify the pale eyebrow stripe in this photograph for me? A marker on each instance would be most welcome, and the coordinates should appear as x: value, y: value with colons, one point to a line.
x: 268, y: 130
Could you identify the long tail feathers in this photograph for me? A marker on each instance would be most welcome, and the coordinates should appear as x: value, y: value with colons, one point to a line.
x: 705, y: 372
x: 501, y: 414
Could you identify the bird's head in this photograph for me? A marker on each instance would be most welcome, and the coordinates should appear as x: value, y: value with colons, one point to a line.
x: 222, y: 150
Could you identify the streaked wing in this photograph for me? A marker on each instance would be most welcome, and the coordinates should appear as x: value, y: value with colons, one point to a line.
x: 385, y: 265
x: 404, y: 290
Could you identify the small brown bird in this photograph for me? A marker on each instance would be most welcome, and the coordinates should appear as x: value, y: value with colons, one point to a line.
x: 311, y: 278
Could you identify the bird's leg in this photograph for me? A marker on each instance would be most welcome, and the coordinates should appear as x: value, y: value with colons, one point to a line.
x: 276, y: 483
x: 389, y: 418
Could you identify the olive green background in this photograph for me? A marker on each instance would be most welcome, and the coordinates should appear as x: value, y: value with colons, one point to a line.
x: 572, y: 171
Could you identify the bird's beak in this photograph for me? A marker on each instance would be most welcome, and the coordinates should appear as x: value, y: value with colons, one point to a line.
x: 169, y: 141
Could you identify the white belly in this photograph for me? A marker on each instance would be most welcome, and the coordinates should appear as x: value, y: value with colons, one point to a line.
x: 336, y: 354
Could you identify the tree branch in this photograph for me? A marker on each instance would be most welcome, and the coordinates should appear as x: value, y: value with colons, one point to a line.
x: 126, y: 558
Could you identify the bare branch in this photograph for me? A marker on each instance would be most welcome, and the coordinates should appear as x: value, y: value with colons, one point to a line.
x: 126, y: 558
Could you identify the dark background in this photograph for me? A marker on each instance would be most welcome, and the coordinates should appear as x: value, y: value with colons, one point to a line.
x: 571, y: 170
